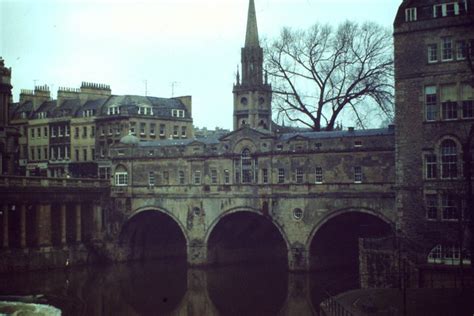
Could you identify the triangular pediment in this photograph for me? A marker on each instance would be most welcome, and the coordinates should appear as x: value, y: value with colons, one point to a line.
x: 247, y: 132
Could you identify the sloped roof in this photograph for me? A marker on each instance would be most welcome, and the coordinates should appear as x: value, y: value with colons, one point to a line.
x: 338, y: 134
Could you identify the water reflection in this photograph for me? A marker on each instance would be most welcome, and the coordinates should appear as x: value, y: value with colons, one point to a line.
x: 155, y: 288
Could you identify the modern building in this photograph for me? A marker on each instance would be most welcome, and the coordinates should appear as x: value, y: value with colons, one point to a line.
x: 434, y: 43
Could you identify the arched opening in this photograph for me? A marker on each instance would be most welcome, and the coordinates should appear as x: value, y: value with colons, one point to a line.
x: 152, y: 234
x: 336, y: 243
x: 246, y: 236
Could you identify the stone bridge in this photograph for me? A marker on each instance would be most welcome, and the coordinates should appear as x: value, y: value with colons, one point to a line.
x: 310, y: 226
x: 49, y: 222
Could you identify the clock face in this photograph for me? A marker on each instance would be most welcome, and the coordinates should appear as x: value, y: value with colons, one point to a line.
x: 244, y: 101
x: 261, y: 100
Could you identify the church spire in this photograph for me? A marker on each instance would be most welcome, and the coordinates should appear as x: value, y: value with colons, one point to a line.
x: 251, y: 37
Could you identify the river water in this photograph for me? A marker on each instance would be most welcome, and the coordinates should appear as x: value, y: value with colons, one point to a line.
x: 171, y: 288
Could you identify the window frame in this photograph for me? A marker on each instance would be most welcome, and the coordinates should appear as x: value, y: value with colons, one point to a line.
x: 121, y: 178
x: 358, y: 174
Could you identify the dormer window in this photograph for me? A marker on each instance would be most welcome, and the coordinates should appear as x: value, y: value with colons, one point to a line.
x: 449, y: 9
x: 23, y: 115
x: 88, y: 113
x: 177, y: 113
x: 410, y: 14
x: 41, y: 115
x: 145, y: 110
x: 113, y: 110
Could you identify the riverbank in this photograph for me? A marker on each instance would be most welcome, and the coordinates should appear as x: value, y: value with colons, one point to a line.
x: 384, y: 302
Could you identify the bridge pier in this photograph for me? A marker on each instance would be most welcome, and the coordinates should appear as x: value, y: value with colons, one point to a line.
x: 298, y: 258
x: 298, y: 301
x: 197, y: 253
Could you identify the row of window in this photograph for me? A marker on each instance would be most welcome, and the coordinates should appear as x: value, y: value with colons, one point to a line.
x: 60, y: 153
x: 56, y: 131
x: 451, y: 101
x: 35, y: 132
x: 444, y: 206
x: 144, y: 110
x: 447, y: 168
x: 84, y: 154
x: 437, y: 11
x: 178, y: 131
x: 84, y: 134
x: 449, y: 50
x: 38, y: 153
x: 243, y: 176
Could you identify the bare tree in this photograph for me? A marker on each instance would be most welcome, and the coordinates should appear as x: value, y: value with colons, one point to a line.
x: 323, y: 73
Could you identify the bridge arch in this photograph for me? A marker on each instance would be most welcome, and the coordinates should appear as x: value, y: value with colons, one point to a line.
x: 333, y: 242
x: 242, y: 225
x: 153, y: 233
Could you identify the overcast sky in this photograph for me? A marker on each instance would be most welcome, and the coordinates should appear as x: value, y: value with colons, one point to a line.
x: 193, y: 45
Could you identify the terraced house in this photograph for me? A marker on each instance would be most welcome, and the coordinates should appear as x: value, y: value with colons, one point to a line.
x: 70, y: 136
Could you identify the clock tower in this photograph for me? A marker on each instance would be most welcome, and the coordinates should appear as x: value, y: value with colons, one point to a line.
x: 252, y: 94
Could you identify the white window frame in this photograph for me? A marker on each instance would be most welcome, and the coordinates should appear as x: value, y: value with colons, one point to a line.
x: 447, y: 52
x: 299, y: 175
x: 318, y: 173
x: 226, y: 176
x: 197, y: 177
x: 151, y: 179
x: 265, y: 175
x: 281, y: 175
x: 121, y: 178
x: 431, y: 166
x: 358, y: 174
x: 431, y: 107
x: 449, y: 209
x: 432, y: 53
x: 410, y: 14
x: 214, y: 176
x: 431, y: 204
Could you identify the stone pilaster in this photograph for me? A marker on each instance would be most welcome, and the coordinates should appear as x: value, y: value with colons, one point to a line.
x: 23, y: 225
x: 43, y: 224
x: 97, y: 222
x: 5, y: 242
x: 62, y: 224
x: 78, y: 224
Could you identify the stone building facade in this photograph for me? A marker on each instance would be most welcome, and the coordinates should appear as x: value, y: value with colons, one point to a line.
x: 434, y: 113
x: 8, y: 134
x: 70, y: 136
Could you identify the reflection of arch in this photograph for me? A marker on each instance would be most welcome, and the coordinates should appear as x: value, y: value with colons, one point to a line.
x: 155, y: 209
x: 244, y: 209
x: 342, y: 211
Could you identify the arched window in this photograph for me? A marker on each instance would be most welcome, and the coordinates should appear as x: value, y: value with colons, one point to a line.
x: 449, y: 159
x: 246, y: 166
x: 121, y: 176
x: 448, y: 254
